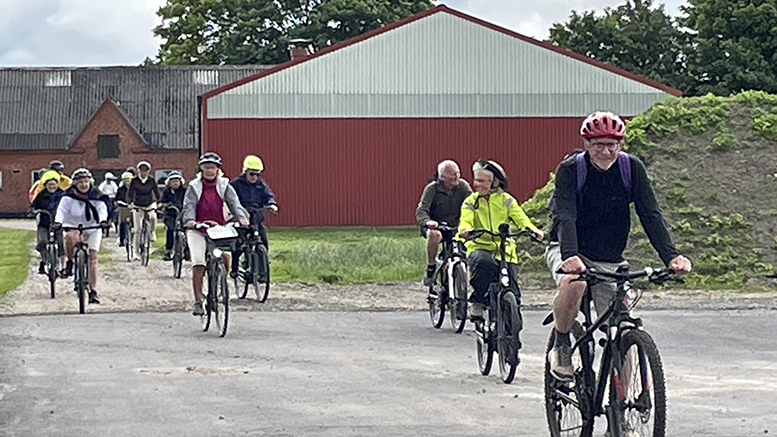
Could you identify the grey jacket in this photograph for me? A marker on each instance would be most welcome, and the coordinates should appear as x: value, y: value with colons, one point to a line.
x: 226, y: 192
x: 442, y: 205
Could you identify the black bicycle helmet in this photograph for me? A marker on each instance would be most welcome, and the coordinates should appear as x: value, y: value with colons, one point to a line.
x: 57, y: 165
x: 210, y: 158
x: 500, y: 177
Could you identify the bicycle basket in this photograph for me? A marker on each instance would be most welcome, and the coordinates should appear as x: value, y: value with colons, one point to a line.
x: 222, y: 236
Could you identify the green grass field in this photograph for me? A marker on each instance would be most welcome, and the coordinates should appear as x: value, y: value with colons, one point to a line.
x: 340, y: 255
x: 14, y: 258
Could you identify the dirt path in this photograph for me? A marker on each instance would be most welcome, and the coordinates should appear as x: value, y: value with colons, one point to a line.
x: 129, y: 287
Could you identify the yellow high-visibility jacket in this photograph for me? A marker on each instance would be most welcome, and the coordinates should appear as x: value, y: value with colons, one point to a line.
x: 479, y: 212
x: 64, y: 184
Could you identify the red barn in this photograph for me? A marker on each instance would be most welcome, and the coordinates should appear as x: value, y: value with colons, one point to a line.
x: 351, y: 134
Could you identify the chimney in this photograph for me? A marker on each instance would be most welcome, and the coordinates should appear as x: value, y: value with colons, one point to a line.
x: 299, y: 48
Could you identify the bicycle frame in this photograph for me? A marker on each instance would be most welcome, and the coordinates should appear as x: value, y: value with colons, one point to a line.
x: 452, y: 256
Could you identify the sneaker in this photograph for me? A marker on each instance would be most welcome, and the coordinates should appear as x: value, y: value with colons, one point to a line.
x: 119, y: 242
x: 197, y: 309
x: 93, y: 297
x: 560, y: 358
x: 42, y: 268
x: 476, y: 312
x: 168, y: 256
x: 68, y: 271
x: 429, y: 278
x: 234, y: 274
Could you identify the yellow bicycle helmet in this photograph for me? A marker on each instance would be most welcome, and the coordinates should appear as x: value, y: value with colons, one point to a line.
x: 51, y: 175
x: 253, y: 163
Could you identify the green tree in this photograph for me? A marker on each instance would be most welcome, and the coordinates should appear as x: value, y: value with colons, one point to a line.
x: 637, y: 36
x: 735, y: 45
x: 258, y: 31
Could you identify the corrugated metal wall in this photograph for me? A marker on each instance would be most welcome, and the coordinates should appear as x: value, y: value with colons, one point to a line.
x: 438, y: 66
x: 337, y: 172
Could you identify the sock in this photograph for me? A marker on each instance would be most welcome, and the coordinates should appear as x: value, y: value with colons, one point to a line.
x: 562, y: 339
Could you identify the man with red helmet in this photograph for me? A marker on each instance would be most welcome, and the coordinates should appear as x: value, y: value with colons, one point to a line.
x: 590, y: 223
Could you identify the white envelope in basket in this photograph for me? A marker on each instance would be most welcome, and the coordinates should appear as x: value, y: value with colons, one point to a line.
x: 222, y: 232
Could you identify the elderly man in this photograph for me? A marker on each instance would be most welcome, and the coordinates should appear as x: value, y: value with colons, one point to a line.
x: 440, y: 203
x: 590, y: 226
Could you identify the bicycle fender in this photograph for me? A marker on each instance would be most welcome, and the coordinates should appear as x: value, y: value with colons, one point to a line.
x: 548, y: 319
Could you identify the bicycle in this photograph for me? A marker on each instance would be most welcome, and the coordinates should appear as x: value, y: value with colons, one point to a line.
x: 130, y: 237
x: 81, y: 266
x: 52, y: 253
x: 571, y: 406
x: 144, y: 246
x: 220, y: 241
x: 253, y: 266
x: 504, y: 322
x: 179, y: 243
x: 449, y: 289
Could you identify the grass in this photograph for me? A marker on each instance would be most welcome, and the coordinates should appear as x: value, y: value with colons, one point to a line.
x: 14, y: 258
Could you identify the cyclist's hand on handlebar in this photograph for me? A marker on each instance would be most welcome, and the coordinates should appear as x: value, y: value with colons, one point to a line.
x: 56, y: 226
x: 191, y: 224
x: 464, y: 234
x: 539, y: 235
x: 104, y: 224
x: 681, y: 265
x: 573, y: 266
x: 273, y: 209
x: 244, y: 223
x: 431, y: 224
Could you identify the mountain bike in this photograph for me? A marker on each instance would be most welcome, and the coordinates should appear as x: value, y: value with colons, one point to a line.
x: 144, y: 246
x: 630, y: 376
x: 52, y: 252
x: 253, y: 266
x: 179, y: 243
x: 130, y: 237
x: 220, y: 241
x: 81, y: 266
x: 449, y: 289
x: 503, y: 320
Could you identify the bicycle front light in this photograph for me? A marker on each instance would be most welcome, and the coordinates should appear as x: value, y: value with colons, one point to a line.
x: 217, y: 252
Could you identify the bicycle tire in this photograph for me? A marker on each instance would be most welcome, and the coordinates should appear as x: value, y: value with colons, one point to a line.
x: 554, y: 404
x: 484, y: 346
x: 144, y: 245
x: 82, y: 279
x: 509, y: 325
x: 177, y: 255
x: 51, y: 266
x: 437, y: 304
x: 457, y: 305
x: 263, y: 259
x: 208, y: 299
x: 627, y: 411
x: 128, y: 243
x: 241, y: 282
x: 221, y: 299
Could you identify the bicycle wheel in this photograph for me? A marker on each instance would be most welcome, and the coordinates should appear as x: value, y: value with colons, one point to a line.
x: 484, y: 345
x: 509, y: 325
x: 457, y: 306
x: 209, y: 292
x: 221, y: 299
x: 128, y: 243
x: 144, y: 245
x: 637, y: 389
x: 261, y: 270
x: 244, y: 271
x: 567, y: 404
x: 437, y: 300
x: 82, y: 279
x: 51, y: 268
x: 177, y: 255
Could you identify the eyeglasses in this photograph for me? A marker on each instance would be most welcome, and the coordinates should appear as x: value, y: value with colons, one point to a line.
x: 601, y: 146
x: 253, y: 174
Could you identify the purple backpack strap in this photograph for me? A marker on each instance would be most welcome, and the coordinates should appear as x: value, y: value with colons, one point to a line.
x: 582, y: 170
x: 624, y: 162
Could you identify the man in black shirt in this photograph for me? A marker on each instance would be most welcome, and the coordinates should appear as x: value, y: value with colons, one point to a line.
x: 591, y: 222
x: 440, y: 203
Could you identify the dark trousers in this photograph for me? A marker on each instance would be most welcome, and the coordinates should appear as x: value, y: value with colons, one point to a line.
x: 123, y: 232
x: 170, y: 225
x: 484, y: 270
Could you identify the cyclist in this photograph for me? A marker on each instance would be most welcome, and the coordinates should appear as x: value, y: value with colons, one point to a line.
x: 83, y: 204
x: 108, y: 186
x: 254, y: 195
x: 48, y: 199
x: 204, y: 203
x: 64, y: 181
x: 487, y: 208
x: 124, y: 213
x: 591, y: 222
x: 440, y: 202
x: 143, y: 194
x: 172, y: 196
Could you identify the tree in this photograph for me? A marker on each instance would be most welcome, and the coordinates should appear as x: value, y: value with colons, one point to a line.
x: 636, y: 36
x: 735, y: 45
x: 258, y: 31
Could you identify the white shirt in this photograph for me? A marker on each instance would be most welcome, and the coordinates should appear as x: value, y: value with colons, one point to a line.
x: 72, y: 212
x: 109, y: 188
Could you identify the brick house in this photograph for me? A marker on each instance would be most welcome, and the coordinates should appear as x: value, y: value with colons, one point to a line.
x: 104, y: 119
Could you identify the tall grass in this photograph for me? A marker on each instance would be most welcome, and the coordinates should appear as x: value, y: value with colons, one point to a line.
x: 14, y: 258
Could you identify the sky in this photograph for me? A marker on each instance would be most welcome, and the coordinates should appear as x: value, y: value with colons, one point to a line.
x: 119, y: 32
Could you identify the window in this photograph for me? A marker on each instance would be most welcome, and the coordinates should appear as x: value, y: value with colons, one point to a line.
x: 206, y: 77
x: 58, y: 78
x: 107, y: 146
x: 37, y: 174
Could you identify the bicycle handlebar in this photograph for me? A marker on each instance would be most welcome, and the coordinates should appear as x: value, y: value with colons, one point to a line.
x: 504, y: 232
x: 80, y: 228
x: 42, y: 211
x: 656, y: 276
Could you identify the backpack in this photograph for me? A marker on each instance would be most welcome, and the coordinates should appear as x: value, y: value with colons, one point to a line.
x: 624, y: 162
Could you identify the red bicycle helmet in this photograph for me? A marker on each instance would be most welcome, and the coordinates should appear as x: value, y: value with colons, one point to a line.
x: 603, y: 125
